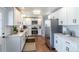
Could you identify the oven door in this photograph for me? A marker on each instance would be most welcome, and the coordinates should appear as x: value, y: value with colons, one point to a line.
x: 34, y: 32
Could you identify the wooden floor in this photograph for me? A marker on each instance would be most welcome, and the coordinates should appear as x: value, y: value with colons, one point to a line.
x: 40, y: 44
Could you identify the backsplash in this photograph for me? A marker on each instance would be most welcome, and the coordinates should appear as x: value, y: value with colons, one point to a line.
x: 8, y: 30
x: 74, y: 28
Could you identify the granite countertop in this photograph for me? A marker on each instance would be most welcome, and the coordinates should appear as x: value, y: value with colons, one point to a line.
x: 70, y: 38
x: 19, y: 33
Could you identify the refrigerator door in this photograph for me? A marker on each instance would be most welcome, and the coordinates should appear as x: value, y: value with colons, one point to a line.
x: 55, y: 28
x: 47, y: 32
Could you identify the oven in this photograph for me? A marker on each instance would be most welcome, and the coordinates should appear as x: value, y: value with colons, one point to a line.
x: 34, y: 31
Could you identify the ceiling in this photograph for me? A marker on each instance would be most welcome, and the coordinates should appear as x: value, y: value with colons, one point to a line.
x: 28, y: 11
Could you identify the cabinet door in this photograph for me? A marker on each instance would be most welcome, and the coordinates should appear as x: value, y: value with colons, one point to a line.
x: 2, y: 29
x: 39, y: 21
x: 22, y: 42
x: 0, y: 23
x: 27, y: 21
x: 62, y: 16
x: 29, y: 31
x: 74, y: 47
x: 22, y: 39
x: 17, y: 17
x: 70, y: 15
x: 57, y: 43
x: 56, y: 15
x: 73, y: 15
x: 70, y: 46
x: 76, y: 15
x: 67, y: 46
x: 13, y: 44
x: 39, y: 31
x: 11, y: 17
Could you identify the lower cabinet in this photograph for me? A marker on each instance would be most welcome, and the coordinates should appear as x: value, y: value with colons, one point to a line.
x: 68, y: 46
x: 15, y: 44
x: 71, y: 46
x: 58, y: 43
x: 65, y: 45
x: 23, y: 39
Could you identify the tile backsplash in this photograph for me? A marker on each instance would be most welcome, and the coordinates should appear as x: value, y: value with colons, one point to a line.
x: 8, y: 30
x: 74, y: 28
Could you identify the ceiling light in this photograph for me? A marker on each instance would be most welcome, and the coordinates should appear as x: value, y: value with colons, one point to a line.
x: 36, y: 11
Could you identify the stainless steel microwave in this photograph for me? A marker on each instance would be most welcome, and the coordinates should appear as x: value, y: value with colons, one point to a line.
x: 34, y: 22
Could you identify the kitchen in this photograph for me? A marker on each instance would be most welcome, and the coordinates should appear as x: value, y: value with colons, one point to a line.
x: 20, y: 27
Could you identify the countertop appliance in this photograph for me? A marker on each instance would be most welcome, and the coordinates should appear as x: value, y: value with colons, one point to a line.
x: 51, y: 27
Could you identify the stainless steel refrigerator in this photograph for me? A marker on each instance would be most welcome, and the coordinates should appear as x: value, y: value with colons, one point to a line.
x: 51, y: 27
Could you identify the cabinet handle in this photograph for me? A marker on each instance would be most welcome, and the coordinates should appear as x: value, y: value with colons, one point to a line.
x: 67, y: 42
x: 67, y: 49
x: 61, y: 22
x: 56, y: 41
x: 74, y: 20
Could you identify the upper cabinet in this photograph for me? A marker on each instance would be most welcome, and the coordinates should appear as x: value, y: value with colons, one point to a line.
x: 17, y: 17
x: 69, y: 16
x: 73, y: 15
x: 14, y: 16
x: 27, y: 21
x: 10, y: 16
x: 0, y: 23
x: 40, y: 21
x: 62, y: 16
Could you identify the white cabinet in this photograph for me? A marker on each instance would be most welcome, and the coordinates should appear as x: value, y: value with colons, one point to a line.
x: 39, y: 22
x: 55, y: 15
x: 11, y: 17
x: 27, y: 21
x: 68, y: 16
x: 39, y: 31
x: 62, y: 16
x: 73, y: 15
x: 70, y: 46
x: 58, y: 43
x: 17, y: 17
x: 0, y: 23
x: 51, y: 16
x: 14, y: 17
x: 29, y: 31
x: 65, y: 44
x: 22, y: 39
x: 15, y: 43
